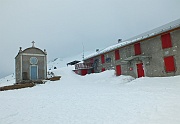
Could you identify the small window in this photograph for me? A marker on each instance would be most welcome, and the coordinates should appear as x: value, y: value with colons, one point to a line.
x: 166, y: 40
x: 102, y: 59
x: 96, y: 61
x: 117, y: 56
x: 108, y: 60
x: 137, y: 49
x: 169, y: 64
x: 33, y: 60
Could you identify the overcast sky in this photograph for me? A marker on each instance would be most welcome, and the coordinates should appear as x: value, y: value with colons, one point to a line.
x: 62, y: 26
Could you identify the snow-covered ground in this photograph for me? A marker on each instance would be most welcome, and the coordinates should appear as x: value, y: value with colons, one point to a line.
x: 99, y: 98
x: 8, y: 80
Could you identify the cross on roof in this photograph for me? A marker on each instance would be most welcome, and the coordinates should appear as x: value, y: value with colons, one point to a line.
x: 33, y: 43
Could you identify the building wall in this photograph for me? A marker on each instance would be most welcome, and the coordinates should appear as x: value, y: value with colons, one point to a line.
x: 26, y: 66
x: 23, y: 69
x: 153, y: 63
x: 18, y: 68
x: 176, y: 49
x: 109, y: 61
x: 156, y: 66
x: 153, y: 48
x: 125, y: 53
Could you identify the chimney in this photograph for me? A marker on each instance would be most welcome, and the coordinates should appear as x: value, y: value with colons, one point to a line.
x: 119, y: 40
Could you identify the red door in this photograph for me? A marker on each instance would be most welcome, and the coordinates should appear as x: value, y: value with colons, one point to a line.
x: 118, y: 70
x: 169, y: 64
x: 140, y: 70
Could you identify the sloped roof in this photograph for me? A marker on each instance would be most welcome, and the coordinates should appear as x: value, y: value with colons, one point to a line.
x: 73, y: 62
x: 39, y: 50
x: 151, y: 33
x: 28, y: 49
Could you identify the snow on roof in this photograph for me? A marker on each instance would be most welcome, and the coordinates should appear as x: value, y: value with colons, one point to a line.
x: 161, y: 29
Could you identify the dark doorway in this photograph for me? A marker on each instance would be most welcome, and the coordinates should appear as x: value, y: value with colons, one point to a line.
x: 24, y: 75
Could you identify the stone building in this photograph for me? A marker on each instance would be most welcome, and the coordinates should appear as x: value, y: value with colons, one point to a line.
x: 31, y: 65
x: 153, y: 53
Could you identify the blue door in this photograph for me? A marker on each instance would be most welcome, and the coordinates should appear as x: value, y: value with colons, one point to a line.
x: 34, y: 72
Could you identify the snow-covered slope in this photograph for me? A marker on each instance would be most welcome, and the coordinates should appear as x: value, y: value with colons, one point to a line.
x: 8, y: 80
x: 62, y: 62
x: 99, y: 98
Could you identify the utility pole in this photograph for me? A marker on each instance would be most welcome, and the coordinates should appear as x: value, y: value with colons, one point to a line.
x: 83, y: 51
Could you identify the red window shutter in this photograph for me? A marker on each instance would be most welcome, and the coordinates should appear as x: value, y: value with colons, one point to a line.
x: 102, y: 59
x: 169, y: 64
x: 103, y: 69
x: 137, y: 48
x: 117, y: 56
x: 118, y: 70
x: 166, y: 40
